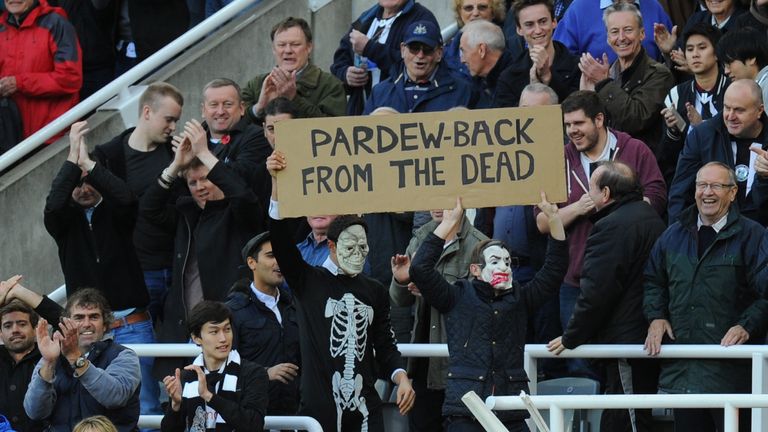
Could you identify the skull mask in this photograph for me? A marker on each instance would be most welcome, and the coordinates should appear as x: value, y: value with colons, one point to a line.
x: 351, y: 250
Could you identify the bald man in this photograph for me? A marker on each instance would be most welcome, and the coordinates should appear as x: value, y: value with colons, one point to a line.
x: 737, y: 137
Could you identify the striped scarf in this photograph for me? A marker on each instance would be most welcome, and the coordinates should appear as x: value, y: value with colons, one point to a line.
x: 223, y: 382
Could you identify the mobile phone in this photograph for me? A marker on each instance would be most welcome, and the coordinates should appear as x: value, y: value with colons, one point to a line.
x: 679, y: 121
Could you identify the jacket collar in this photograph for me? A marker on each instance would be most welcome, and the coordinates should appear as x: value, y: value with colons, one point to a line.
x: 689, y: 217
x: 5, y: 356
x: 375, y: 11
x: 612, y: 207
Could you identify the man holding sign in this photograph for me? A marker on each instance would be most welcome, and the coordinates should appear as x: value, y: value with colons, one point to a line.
x: 344, y: 324
x: 486, y: 314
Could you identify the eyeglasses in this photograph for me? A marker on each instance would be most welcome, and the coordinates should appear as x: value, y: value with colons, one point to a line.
x: 480, y: 8
x: 414, y: 48
x: 716, y: 187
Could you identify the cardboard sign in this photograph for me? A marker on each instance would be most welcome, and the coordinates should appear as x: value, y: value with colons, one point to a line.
x: 406, y: 162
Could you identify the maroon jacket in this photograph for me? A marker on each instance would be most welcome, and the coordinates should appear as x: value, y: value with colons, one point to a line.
x: 632, y: 152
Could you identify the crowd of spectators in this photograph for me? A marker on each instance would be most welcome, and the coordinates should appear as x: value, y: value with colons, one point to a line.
x: 171, y: 232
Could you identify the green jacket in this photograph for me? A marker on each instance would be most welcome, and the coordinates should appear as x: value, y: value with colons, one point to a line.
x: 703, y: 298
x: 318, y: 94
x: 452, y: 265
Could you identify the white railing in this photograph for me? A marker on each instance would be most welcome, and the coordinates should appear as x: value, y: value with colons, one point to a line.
x: 122, y: 83
x: 270, y: 422
x: 756, y: 353
x: 556, y: 404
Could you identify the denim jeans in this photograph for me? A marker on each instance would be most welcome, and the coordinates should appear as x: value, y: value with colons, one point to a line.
x: 158, y: 283
x: 149, y: 395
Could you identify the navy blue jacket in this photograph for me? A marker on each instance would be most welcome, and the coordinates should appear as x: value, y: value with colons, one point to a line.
x: 450, y: 91
x: 386, y: 56
x: 708, y: 142
x: 486, y: 329
x: 260, y: 338
x: 80, y: 404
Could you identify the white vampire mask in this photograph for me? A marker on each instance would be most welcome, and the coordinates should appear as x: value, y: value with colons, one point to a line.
x: 351, y: 250
x: 497, y: 271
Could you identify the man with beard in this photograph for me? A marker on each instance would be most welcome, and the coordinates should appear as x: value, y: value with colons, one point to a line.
x: 486, y: 315
x: 591, y: 141
x: 18, y: 357
x: 344, y: 320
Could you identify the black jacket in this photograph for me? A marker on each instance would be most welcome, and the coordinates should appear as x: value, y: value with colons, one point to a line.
x: 260, y: 338
x: 708, y: 142
x: 245, y: 153
x: 488, y: 86
x: 610, y: 306
x: 98, y: 254
x: 486, y: 330
x: 14, y: 380
x: 565, y: 76
x: 154, y: 247
x: 219, y: 232
x: 243, y: 410
x: 672, y: 141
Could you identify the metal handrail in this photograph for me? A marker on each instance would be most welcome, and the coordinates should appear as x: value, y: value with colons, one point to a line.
x: 114, y: 88
x: 556, y: 404
x: 270, y: 423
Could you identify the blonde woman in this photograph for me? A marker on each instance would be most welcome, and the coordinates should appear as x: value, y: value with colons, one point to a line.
x: 97, y: 423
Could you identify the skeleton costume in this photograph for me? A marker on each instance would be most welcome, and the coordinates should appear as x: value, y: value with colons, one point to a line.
x: 342, y: 320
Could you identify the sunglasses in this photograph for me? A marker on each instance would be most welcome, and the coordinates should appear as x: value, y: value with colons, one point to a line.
x: 414, y: 48
x: 82, y: 181
x: 480, y: 8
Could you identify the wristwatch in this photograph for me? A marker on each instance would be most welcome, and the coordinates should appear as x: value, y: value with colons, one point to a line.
x: 80, y: 362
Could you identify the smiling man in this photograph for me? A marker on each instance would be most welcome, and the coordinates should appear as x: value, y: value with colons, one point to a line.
x: 592, y: 141
x: 232, y: 138
x: 18, y: 357
x: 425, y: 84
x: 736, y: 137
x: 703, y: 286
x: 544, y: 61
x: 314, y: 92
x: 633, y: 87
x: 219, y: 391
x: 82, y: 374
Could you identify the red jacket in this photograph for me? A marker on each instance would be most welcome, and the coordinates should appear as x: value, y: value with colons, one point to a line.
x: 44, y: 56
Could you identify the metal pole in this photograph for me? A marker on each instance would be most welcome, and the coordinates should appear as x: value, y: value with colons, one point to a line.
x: 731, y: 418
x: 477, y: 407
x: 556, y: 419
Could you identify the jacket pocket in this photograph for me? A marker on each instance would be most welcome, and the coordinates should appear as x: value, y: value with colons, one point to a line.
x: 516, y: 380
x: 462, y: 379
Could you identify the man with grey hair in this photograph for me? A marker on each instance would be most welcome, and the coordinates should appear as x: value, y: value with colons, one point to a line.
x: 582, y: 31
x: 483, y: 51
x: 634, y: 86
x: 544, y: 61
x: 703, y: 285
